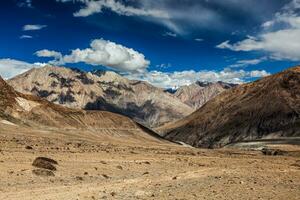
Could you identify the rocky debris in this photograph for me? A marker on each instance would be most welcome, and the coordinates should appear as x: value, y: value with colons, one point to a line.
x: 45, y: 163
x: 296, y: 164
x: 272, y: 152
x: 43, y: 172
x: 79, y: 178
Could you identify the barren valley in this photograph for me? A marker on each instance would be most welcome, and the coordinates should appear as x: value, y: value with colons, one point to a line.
x: 105, y: 166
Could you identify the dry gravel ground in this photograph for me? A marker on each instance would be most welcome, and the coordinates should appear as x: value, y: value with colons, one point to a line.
x: 96, y: 167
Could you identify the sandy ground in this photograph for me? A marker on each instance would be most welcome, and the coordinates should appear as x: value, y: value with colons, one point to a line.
x: 94, y: 166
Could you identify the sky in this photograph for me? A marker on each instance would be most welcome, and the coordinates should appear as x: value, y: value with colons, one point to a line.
x: 168, y: 43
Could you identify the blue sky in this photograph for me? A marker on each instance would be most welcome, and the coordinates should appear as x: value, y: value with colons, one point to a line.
x: 166, y: 42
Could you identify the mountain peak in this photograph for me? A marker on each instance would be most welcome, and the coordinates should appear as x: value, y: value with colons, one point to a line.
x: 197, y: 94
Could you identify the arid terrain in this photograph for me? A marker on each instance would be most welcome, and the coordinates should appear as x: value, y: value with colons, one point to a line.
x: 104, y: 166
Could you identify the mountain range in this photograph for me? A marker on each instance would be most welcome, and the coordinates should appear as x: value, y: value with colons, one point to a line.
x: 209, y: 115
x: 107, y: 90
x: 27, y: 111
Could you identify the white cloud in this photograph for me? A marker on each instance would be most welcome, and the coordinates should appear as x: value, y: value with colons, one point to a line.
x: 101, y: 53
x: 26, y: 37
x: 199, y: 39
x: 164, y: 66
x: 257, y: 73
x: 49, y: 54
x: 170, y: 34
x: 245, y: 63
x: 280, y: 36
x: 33, y: 27
x: 10, y: 67
x: 181, y: 17
x: 92, y: 7
x: 25, y: 3
x: 180, y: 78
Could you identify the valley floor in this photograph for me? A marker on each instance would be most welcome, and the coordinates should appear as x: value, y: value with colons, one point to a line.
x: 95, y: 167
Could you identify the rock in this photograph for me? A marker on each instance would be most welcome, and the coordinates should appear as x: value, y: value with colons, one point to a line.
x: 113, y: 194
x: 42, y: 172
x: 45, y: 163
x: 79, y: 178
x: 28, y: 147
x: 105, y: 176
x: 272, y: 152
x: 119, y: 167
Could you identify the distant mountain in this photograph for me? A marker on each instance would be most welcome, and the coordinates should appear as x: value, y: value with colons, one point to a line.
x: 197, y: 94
x: 267, y: 108
x: 102, y: 90
x: 20, y: 110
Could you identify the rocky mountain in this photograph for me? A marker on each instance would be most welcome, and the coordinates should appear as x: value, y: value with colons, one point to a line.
x: 101, y: 90
x: 20, y: 110
x: 197, y: 94
x: 267, y: 108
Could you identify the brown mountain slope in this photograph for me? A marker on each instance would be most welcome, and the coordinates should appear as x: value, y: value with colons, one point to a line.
x: 197, y: 94
x: 269, y: 107
x: 21, y: 110
x: 108, y: 91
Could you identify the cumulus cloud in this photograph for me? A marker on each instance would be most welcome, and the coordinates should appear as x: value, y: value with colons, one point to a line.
x: 49, y: 54
x: 10, y: 67
x: 280, y: 36
x: 180, y: 78
x: 101, y: 53
x: 33, y: 27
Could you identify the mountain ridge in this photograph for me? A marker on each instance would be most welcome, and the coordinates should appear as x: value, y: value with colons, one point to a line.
x: 269, y: 107
x: 28, y: 111
x: 109, y: 91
